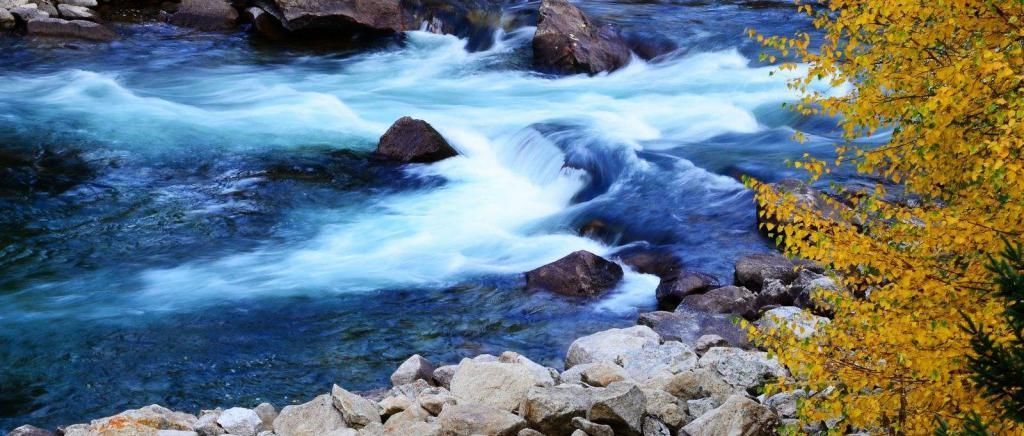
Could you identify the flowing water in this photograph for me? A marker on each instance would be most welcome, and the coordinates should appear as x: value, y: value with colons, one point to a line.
x: 219, y: 236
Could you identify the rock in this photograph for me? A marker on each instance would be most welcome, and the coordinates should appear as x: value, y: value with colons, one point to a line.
x: 143, y: 421
x: 774, y: 293
x: 28, y: 430
x: 567, y: 42
x: 341, y: 16
x: 267, y: 414
x: 7, y: 21
x: 581, y: 273
x: 784, y: 404
x: 727, y: 299
x: 45, y: 6
x: 266, y: 24
x: 701, y: 383
x: 411, y: 391
x: 495, y: 384
x: 56, y: 27
x: 608, y: 345
x: 207, y: 425
x: 542, y: 375
x: 373, y: 429
x: 11, y: 4
x: 804, y: 197
x: 660, y: 262
x: 176, y: 433
x: 622, y: 406
x: 392, y: 405
x: 687, y: 325
x: 478, y: 419
x: 530, y: 432
x: 602, y: 374
x: 583, y: 433
x: 357, y: 411
x: 672, y: 290
x: 591, y: 428
x: 443, y: 375
x: 654, y: 427
x: 552, y: 409
x: 239, y: 421
x: 738, y: 416
x: 26, y: 13
x: 704, y: 343
x: 69, y: 12
x: 802, y: 325
x: 810, y: 284
x: 205, y: 15
x: 701, y: 406
x: 650, y: 46
x: 82, y: 3
x: 414, y: 368
x: 412, y: 421
x: 647, y: 362
x: 740, y: 368
x: 753, y: 270
x: 666, y: 407
x: 314, y: 418
x: 434, y: 400
x: 410, y: 140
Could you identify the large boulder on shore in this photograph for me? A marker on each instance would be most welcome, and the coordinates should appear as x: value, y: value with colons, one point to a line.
x: 687, y: 326
x: 77, y: 29
x: 477, y: 419
x: 738, y: 416
x: 7, y: 20
x: 671, y: 290
x: 495, y: 384
x: 754, y: 270
x: 143, y: 421
x: 205, y: 15
x: 581, y: 273
x: 551, y: 409
x: 341, y: 16
x: 736, y: 300
x: 316, y: 417
x: 609, y: 345
x: 567, y: 42
x: 409, y: 140
x: 28, y: 430
x: 742, y: 369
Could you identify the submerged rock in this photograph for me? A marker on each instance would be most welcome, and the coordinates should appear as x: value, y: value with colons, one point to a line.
x: 205, y: 15
x: 567, y: 42
x: 581, y: 273
x: 409, y: 140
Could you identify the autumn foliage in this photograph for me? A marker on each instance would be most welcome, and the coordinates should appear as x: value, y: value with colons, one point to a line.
x: 945, y: 79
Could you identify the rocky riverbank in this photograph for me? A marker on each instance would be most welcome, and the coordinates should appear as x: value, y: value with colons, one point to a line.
x: 668, y: 375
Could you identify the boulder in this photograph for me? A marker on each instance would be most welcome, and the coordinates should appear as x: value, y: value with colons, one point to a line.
x: 265, y: 23
x: 434, y: 400
x: 205, y: 15
x: 316, y: 417
x: 704, y: 343
x: 740, y: 368
x: 774, y: 293
x: 660, y: 262
x: 358, y: 412
x: 478, y: 419
x: 143, y: 421
x: 581, y: 273
x: 687, y: 325
x: 802, y: 325
x: 667, y: 358
x: 591, y: 428
x: 240, y: 421
x: 621, y: 406
x: 666, y: 407
x: 552, y: 409
x: 409, y: 140
x: 650, y: 46
x: 267, y: 414
x: 495, y: 384
x: 45, y: 6
x: 701, y: 383
x: 727, y: 299
x: 608, y: 345
x: 207, y: 423
x: 702, y: 406
x: 567, y: 42
x: 654, y: 427
x: 58, y: 28
x: 542, y: 376
x: 753, y: 270
x: 414, y: 368
x: 26, y: 13
x: 412, y: 421
x: 71, y: 12
x: 443, y: 375
x: 28, y: 430
x: 82, y: 3
x: 7, y: 21
x: 672, y: 290
x: 392, y: 405
x: 784, y: 404
x: 737, y: 416
x: 602, y: 374
x: 341, y: 16
x: 810, y: 284
x: 11, y: 4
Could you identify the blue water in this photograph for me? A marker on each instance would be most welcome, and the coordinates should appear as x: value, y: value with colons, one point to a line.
x: 218, y: 235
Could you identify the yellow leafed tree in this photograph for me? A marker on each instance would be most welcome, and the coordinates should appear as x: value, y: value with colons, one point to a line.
x: 946, y: 77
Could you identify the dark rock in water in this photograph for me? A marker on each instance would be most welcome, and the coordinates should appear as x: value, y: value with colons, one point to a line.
x: 646, y: 260
x: 205, y: 15
x: 29, y: 171
x: 754, y: 270
x: 475, y: 20
x: 650, y: 46
x: 672, y: 289
x: 412, y: 140
x: 567, y: 42
x: 686, y: 326
x: 7, y: 20
x: 72, y: 12
x: 581, y: 273
x: 28, y: 430
x: 597, y: 230
x: 736, y: 300
x: 340, y: 16
x: 265, y: 24
x: 45, y: 6
x: 79, y: 29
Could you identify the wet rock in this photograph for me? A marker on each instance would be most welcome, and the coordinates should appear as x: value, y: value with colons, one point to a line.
x: 609, y: 345
x: 706, y: 342
x: 567, y: 42
x: 414, y: 368
x: 473, y: 20
x: 410, y: 140
x: 28, y: 430
x: 70, y: 12
x: 597, y: 230
x: 265, y: 23
x: 739, y: 415
x: 620, y: 405
x: 316, y: 417
x: 494, y: 384
x: 753, y: 270
x: 579, y: 274
x: 477, y: 419
x: 7, y: 20
x: 443, y: 375
x: 650, y: 46
x: 239, y: 421
x: 146, y: 420
x: 686, y: 325
x: 552, y: 409
x: 802, y: 325
x: 589, y: 428
x: 662, y: 263
x: 650, y: 361
x: 205, y: 15
x: 59, y: 28
x: 741, y: 368
x: 736, y: 300
x: 671, y: 290
x: 341, y: 16
x: 267, y: 413
x: 357, y: 411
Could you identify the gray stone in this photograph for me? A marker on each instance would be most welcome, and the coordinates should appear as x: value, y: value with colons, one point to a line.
x: 654, y: 427
x: 478, y: 419
x: 647, y: 362
x: 591, y: 428
x: 414, y: 368
x: 609, y: 345
x: 530, y: 432
x: 357, y: 411
x: 666, y: 407
x: 552, y: 409
x: 785, y: 403
x: 28, y: 12
x: 7, y: 20
x: 495, y: 384
x: 704, y: 343
x: 727, y: 299
x: 207, y: 423
x: 205, y: 15
x: 413, y: 420
x: 239, y: 421
x: 176, y: 433
x: 267, y: 413
x: 567, y: 42
x: 622, y: 406
x: 314, y: 418
x: 45, y: 6
x: 28, y: 430
x: 699, y: 383
x: 740, y: 368
x: 443, y: 375
x: 753, y: 270
x: 541, y: 375
x: 602, y: 374
x: 70, y: 12
x: 801, y: 324
x: 11, y: 4
x: 672, y: 290
x: 737, y: 416
x: 58, y: 28
x: 700, y: 406
x: 83, y: 3
x: 687, y: 325
x: 434, y: 400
